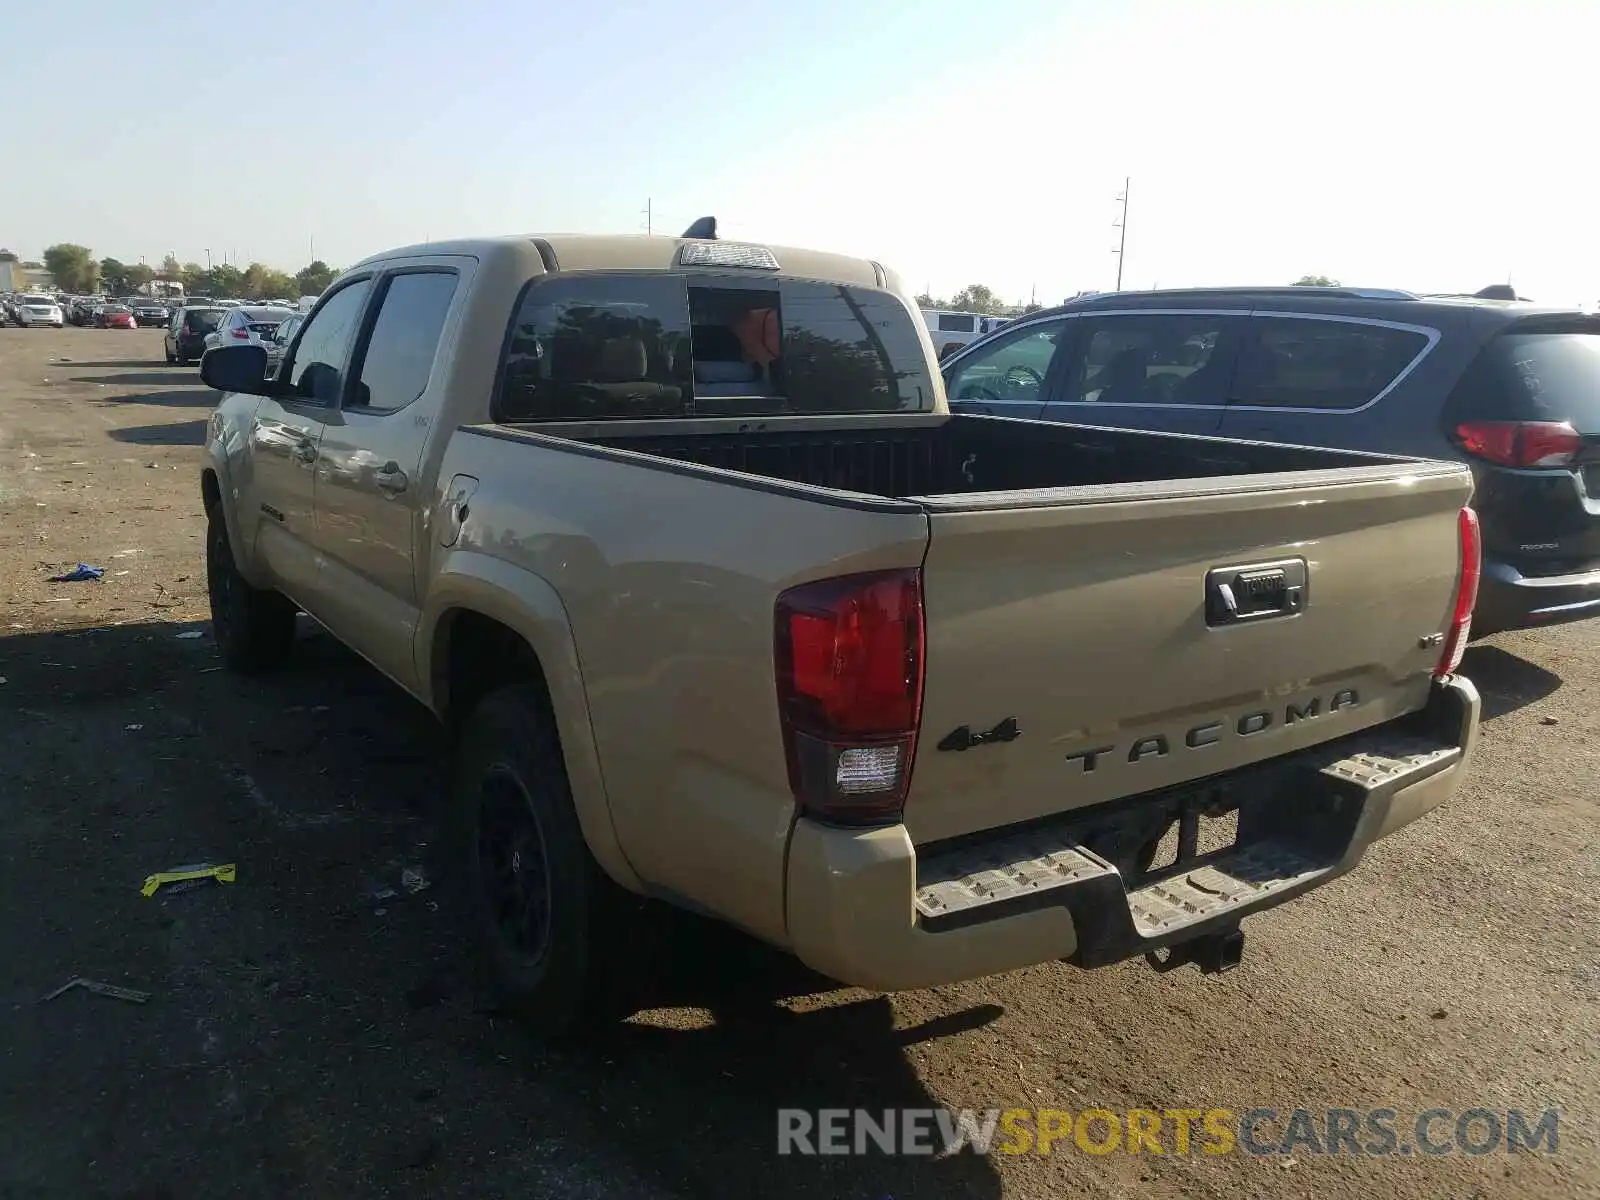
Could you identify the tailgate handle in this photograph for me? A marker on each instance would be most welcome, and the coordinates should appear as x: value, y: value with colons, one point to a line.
x: 1256, y: 591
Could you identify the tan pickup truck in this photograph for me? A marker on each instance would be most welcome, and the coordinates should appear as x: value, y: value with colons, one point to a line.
x: 729, y: 610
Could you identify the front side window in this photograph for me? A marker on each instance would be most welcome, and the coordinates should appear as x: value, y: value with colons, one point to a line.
x: 1011, y: 368
x: 1152, y: 358
x: 1297, y: 362
x: 405, y: 338
x: 317, y: 373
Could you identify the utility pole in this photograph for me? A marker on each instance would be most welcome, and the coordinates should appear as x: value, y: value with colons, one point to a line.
x: 649, y: 216
x: 1122, y: 241
x: 208, y: 258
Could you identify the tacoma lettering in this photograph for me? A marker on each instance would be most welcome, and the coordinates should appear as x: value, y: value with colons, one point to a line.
x: 1159, y: 745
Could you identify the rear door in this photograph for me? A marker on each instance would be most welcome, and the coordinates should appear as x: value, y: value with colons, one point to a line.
x: 1167, y: 371
x: 1527, y: 413
x: 1007, y: 376
x: 1094, y: 624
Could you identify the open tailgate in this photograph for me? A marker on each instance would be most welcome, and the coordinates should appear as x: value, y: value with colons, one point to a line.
x: 1093, y: 619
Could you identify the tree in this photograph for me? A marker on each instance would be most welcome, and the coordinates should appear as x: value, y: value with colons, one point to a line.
x: 224, y: 280
x: 977, y: 298
x: 170, y: 267
x: 138, y: 275
x: 313, y: 278
x: 926, y: 300
x: 1031, y: 308
x: 1315, y: 281
x: 114, y: 277
x: 72, y: 267
x: 262, y: 282
x: 7, y: 256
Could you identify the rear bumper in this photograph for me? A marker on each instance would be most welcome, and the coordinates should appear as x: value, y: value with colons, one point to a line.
x: 864, y: 910
x: 1508, y: 599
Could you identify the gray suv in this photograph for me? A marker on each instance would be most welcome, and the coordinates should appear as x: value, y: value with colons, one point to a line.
x: 1511, y: 388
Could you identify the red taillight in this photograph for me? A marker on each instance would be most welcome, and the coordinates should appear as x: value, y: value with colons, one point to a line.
x: 1455, y: 638
x: 849, y: 668
x: 242, y: 334
x: 1520, y: 443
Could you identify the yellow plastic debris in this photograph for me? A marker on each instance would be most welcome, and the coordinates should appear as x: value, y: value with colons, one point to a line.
x: 222, y: 873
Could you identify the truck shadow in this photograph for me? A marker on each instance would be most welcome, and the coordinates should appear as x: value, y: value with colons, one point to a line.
x: 1505, y: 681
x: 173, y: 433
x: 196, y: 397
x: 323, y: 780
x: 157, y: 376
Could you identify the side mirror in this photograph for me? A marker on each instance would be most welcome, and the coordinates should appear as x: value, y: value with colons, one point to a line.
x: 236, y: 369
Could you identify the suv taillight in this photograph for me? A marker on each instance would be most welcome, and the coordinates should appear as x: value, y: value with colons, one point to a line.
x: 1520, y: 443
x: 849, y: 657
x: 1455, y: 638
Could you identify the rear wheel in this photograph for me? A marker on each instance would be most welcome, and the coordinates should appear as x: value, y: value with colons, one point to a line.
x: 547, y: 920
x: 254, y: 627
x: 183, y: 357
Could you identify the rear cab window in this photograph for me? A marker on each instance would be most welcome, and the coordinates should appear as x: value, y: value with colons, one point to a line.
x: 611, y: 347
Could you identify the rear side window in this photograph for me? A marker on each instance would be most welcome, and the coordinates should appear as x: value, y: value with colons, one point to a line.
x: 1152, y: 358
x: 957, y: 323
x: 405, y: 339
x: 1534, y: 377
x: 1292, y: 362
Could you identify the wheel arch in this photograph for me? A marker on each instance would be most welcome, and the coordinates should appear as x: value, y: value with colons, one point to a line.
x: 487, y: 624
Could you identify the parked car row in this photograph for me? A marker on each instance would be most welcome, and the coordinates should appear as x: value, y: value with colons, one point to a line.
x: 1509, y: 388
x: 194, y: 329
x: 32, y: 308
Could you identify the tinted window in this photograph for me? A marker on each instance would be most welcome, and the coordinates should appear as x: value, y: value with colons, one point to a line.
x: 848, y: 349
x: 1534, y: 377
x: 1155, y: 358
x: 1012, y: 367
x: 203, y: 322
x: 405, y: 338
x: 317, y: 373
x: 1292, y: 362
x: 956, y: 323
x: 597, y: 347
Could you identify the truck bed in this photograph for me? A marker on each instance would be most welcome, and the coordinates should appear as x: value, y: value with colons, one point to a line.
x: 939, y: 455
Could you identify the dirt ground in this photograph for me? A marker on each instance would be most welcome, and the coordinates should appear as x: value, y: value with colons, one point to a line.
x: 314, y: 1029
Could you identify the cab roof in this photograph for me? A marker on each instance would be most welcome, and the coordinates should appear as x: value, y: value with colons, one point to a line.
x: 562, y: 252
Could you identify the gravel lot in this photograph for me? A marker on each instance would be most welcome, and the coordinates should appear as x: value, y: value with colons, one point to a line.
x: 309, y: 1034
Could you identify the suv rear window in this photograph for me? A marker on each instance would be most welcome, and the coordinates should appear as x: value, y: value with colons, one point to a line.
x: 203, y: 322
x: 1298, y: 362
x: 602, y: 347
x: 1552, y: 376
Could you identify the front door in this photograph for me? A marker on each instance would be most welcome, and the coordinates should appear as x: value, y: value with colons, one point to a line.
x: 370, y: 492
x: 286, y: 442
x: 1006, y: 376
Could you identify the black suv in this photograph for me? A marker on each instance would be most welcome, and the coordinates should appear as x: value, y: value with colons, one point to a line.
x: 185, y: 341
x: 1509, y: 387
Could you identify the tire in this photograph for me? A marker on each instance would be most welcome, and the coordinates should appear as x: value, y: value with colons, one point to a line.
x: 521, y: 850
x: 254, y: 627
x: 183, y: 359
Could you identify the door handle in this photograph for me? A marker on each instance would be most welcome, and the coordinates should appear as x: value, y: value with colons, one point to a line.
x: 306, y: 451
x: 391, y: 480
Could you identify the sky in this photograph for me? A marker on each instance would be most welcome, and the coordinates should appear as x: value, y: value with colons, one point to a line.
x: 1429, y: 146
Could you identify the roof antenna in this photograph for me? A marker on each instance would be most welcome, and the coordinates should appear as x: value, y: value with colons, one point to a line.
x: 705, y: 227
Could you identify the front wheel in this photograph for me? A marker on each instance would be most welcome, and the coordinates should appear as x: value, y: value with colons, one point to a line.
x: 546, y: 918
x: 254, y: 627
